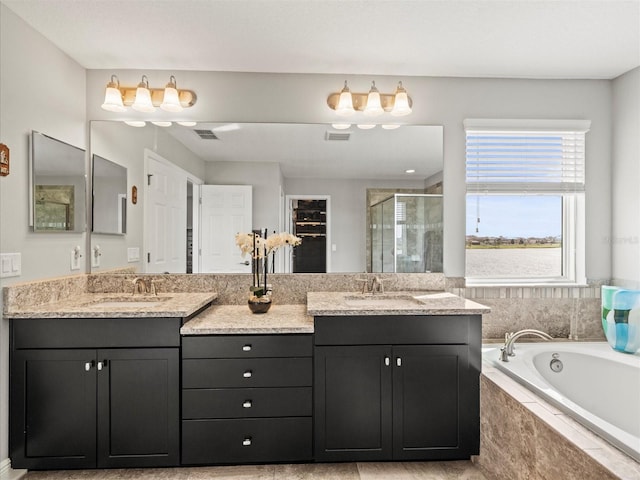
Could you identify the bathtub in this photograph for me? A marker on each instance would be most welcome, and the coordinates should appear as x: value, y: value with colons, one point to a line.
x: 598, y: 387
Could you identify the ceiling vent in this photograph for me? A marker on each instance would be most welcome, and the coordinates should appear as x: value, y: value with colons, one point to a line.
x: 206, y: 134
x: 343, y: 136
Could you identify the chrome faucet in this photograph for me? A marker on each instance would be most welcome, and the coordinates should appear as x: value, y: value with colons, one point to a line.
x: 376, y: 285
x: 510, y: 339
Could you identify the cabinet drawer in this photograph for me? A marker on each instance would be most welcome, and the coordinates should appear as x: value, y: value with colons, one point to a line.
x: 247, y: 402
x: 246, y: 346
x: 246, y: 441
x: 398, y: 329
x: 246, y: 373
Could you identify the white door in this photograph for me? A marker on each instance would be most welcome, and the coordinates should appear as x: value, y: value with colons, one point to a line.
x: 226, y: 210
x: 165, y: 217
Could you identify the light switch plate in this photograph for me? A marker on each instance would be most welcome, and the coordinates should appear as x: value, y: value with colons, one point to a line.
x: 10, y: 265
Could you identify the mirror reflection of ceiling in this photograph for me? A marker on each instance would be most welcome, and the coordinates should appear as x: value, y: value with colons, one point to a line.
x: 318, y: 150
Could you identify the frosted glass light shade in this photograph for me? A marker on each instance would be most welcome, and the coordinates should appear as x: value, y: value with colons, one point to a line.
x: 374, y: 106
x: 345, y: 103
x: 171, y: 100
x: 401, y: 104
x: 113, y: 99
x: 143, y: 103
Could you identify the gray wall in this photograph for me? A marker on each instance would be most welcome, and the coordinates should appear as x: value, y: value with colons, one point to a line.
x: 625, y: 212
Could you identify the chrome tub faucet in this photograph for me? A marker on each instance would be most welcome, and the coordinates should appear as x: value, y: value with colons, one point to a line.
x: 510, y: 339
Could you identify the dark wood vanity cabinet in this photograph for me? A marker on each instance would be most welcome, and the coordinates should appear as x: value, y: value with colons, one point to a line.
x: 89, y: 393
x: 396, y: 387
x: 246, y: 399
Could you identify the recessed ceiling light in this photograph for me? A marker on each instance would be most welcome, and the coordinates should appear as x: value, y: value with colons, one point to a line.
x: 135, y: 123
x: 187, y: 124
x: 340, y: 126
x: 410, y: 170
x: 162, y: 124
x: 366, y: 126
x: 390, y: 126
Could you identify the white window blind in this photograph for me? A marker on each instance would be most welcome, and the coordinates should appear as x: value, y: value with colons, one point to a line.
x: 511, y: 160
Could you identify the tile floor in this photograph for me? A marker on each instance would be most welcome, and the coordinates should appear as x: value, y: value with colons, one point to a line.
x: 454, y: 470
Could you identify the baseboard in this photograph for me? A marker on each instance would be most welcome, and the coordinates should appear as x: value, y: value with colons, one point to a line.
x: 8, y: 473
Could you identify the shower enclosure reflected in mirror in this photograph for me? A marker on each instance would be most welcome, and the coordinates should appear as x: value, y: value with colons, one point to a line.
x: 109, y: 209
x: 58, y: 186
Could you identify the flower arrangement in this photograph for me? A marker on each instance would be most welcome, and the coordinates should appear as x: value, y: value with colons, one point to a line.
x: 261, y: 248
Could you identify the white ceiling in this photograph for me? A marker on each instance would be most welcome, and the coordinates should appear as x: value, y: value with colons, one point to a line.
x: 479, y: 38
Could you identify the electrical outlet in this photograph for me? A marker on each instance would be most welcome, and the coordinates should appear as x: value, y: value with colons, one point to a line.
x: 133, y: 254
x: 95, y: 256
x: 75, y: 258
x: 10, y: 265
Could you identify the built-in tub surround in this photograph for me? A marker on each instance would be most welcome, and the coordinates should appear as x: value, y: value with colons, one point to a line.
x: 525, y: 437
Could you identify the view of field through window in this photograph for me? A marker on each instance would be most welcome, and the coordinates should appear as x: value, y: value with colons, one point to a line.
x: 514, y: 236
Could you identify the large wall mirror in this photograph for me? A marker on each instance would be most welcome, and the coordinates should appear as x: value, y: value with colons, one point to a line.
x: 353, y: 168
x: 58, y: 186
x: 109, y: 209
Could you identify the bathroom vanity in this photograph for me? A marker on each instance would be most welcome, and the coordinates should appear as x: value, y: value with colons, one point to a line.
x: 346, y: 377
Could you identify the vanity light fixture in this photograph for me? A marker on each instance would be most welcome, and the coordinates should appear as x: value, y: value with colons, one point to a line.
x: 113, y: 96
x: 373, y: 107
x: 162, y: 124
x: 371, y: 103
x: 144, y: 99
x: 366, y: 126
x: 340, y: 126
x: 187, y: 123
x: 143, y: 103
x: 401, y: 104
x: 390, y: 126
x: 170, y: 100
x: 344, y: 108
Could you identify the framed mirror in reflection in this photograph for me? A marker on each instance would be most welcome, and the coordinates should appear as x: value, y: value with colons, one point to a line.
x: 354, y: 168
x: 109, y: 208
x: 58, y: 186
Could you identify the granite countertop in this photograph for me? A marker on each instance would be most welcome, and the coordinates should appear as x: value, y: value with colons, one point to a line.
x: 391, y: 303
x: 238, y: 319
x: 117, y: 305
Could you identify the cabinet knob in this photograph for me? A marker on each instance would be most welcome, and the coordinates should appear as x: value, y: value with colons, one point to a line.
x: 247, y: 374
x: 247, y: 404
x: 88, y: 365
x: 246, y: 348
x: 399, y: 361
x: 387, y: 360
x: 246, y: 442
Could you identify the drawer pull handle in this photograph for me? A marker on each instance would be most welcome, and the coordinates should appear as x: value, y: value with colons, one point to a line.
x: 246, y: 348
x: 247, y: 374
x: 247, y: 404
x: 246, y: 442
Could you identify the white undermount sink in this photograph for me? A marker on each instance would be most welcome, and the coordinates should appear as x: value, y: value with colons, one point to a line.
x: 382, y: 300
x: 129, y: 302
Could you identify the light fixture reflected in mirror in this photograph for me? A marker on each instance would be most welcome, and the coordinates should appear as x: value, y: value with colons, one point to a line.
x: 135, y: 123
x: 143, y: 103
x: 340, y: 126
x: 162, y: 124
x: 366, y: 126
x: 390, y: 126
x: 187, y: 123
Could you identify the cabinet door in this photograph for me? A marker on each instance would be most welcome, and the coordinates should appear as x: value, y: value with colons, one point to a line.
x: 138, y: 407
x: 352, y: 403
x: 430, y: 402
x: 53, y: 409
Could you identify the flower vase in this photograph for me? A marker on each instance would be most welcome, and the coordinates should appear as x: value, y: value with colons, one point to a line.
x: 259, y: 304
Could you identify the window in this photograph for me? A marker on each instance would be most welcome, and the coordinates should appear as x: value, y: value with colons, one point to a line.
x: 525, y: 201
